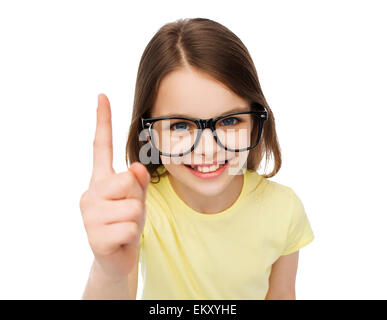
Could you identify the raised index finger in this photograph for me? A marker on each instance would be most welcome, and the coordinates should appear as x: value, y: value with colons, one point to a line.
x: 103, y: 146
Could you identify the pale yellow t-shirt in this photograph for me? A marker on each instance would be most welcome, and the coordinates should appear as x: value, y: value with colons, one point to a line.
x: 190, y: 255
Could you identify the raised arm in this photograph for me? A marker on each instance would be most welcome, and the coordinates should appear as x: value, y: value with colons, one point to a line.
x: 113, y: 211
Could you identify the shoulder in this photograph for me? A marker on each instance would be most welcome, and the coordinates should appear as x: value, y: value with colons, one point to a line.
x: 269, y: 191
x: 276, y: 200
x: 289, y: 212
x: 281, y: 191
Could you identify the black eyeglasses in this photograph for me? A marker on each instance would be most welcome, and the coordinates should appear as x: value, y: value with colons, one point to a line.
x: 176, y: 136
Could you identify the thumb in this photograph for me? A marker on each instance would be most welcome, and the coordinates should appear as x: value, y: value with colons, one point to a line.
x: 141, y: 173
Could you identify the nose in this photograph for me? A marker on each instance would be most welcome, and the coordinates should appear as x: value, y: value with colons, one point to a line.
x: 207, y: 144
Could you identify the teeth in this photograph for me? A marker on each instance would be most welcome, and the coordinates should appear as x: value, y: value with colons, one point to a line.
x: 207, y: 169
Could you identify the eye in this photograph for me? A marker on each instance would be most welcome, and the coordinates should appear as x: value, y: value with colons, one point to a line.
x: 180, y: 126
x: 231, y: 121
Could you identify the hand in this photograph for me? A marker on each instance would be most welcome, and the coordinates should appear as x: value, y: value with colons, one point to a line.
x: 113, y: 208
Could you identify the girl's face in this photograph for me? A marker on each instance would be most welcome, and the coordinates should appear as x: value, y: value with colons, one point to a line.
x: 194, y: 94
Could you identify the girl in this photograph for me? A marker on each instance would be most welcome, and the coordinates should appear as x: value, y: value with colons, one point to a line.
x: 192, y: 208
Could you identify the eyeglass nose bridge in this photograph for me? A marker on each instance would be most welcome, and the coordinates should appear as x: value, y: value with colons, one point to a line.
x: 206, y: 123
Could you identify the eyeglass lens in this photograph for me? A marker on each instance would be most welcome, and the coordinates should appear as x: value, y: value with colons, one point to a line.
x: 176, y: 136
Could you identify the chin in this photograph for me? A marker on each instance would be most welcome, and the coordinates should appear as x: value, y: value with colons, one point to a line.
x: 210, y: 187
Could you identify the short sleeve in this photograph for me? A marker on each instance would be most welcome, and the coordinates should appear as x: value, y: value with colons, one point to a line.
x: 300, y: 232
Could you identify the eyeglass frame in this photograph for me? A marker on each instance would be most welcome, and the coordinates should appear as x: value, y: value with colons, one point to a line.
x: 210, y: 123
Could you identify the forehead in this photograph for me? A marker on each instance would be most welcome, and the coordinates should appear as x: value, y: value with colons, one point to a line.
x: 195, y: 94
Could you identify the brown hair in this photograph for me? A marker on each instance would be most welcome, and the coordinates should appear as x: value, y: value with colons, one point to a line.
x: 210, y: 47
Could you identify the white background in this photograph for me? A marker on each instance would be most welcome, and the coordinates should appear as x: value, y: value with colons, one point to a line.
x: 322, y: 67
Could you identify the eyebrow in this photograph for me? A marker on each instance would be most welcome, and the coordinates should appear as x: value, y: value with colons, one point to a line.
x: 190, y: 116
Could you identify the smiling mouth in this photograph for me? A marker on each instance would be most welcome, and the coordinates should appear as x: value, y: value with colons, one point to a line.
x: 206, y: 168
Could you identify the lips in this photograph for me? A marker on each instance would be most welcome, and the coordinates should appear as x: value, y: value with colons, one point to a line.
x: 206, y: 165
x: 204, y: 174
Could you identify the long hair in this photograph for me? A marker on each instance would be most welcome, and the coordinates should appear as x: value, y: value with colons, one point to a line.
x: 210, y: 47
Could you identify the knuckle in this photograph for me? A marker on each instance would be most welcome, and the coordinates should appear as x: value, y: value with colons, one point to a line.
x: 123, y: 183
x: 98, y: 243
x: 100, y: 186
x: 101, y: 212
x: 88, y: 222
x: 99, y: 247
x: 91, y: 211
x: 83, y: 200
x: 126, y: 178
x: 97, y: 188
x: 137, y: 208
x: 132, y: 233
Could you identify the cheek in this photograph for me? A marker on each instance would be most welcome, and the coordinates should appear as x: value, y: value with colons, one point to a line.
x: 238, y: 162
x: 174, y: 165
x: 239, y: 159
x: 172, y: 161
x: 178, y: 171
